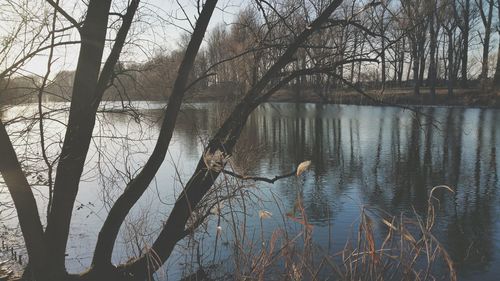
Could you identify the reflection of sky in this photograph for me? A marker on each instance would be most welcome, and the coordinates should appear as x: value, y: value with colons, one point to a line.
x: 362, y: 156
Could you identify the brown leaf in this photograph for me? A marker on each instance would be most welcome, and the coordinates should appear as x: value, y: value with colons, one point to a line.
x: 304, y: 166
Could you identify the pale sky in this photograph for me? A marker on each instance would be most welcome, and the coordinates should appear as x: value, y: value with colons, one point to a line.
x: 154, y: 34
x: 159, y: 30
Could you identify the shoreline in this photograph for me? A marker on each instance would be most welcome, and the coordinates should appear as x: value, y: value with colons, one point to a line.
x: 402, y: 97
x: 472, y: 98
x: 468, y: 98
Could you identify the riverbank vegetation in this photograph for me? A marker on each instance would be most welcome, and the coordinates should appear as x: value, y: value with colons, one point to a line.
x: 407, y: 250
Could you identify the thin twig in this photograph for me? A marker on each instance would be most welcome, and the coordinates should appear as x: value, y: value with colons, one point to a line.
x: 259, y: 178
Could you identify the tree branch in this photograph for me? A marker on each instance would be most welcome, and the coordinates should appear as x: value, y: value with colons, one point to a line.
x: 268, y: 180
x: 65, y: 14
x: 22, y: 60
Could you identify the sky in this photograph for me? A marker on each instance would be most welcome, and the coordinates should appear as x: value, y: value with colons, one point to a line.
x: 159, y: 30
x: 161, y: 24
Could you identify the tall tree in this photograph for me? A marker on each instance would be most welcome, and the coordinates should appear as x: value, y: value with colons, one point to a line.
x: 464, y: 23
x: 449, y: 24
x: 381, y: 22
x: 485, y: 8
x: 417, y: 33
x: 496, y: 78
x: 433, y: 36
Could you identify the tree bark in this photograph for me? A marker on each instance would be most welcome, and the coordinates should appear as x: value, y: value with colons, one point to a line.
x: 79, y: 131
x: 432, y: 53
x: 135, y: 189
x: 355, y: 47
x: 451, y: 73
x: 401, y: 62
x: 486, y: 19
x: 382, y: 54
x: 496, y: 79
x: 88, y: 88
x: 465, y: 44
x: 25, y: 203
x: 421, y: 50
x: 416, y: 72
x: 383, y: 63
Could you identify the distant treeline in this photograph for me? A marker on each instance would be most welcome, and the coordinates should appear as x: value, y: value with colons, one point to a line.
x: 395, y: 43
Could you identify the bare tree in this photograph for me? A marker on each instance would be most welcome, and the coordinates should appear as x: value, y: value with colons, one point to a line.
x: 433, y: 36
x: 464, y: 23
x: 380, y: 19
x: 416, y: 11
x: 496, y: 78
x: 449, y: 25
x: 485, y: 8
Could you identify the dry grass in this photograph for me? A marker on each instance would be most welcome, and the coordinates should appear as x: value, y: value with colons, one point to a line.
x: 381, y: 246
x: 407, y: 251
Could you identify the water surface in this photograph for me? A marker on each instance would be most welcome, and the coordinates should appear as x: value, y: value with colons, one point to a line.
x: 382, y: 157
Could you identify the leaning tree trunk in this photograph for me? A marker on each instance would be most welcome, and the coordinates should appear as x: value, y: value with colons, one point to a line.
x: 46, y: 251
x: 88, y: 88
x: 101, y: 264
x: 25, y: 203
x: 225, y: 139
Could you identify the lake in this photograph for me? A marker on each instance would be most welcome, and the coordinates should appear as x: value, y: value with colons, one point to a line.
x: 382, y: 158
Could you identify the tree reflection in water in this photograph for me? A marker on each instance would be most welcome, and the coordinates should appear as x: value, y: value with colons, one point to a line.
x: 388, y: 158
x: 382, y: 157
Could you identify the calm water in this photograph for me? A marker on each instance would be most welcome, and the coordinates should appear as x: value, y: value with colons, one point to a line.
x: 381, y: 157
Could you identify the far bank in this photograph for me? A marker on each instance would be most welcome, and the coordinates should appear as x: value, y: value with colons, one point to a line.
x: 391, y: 96
x: 229, y: 93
